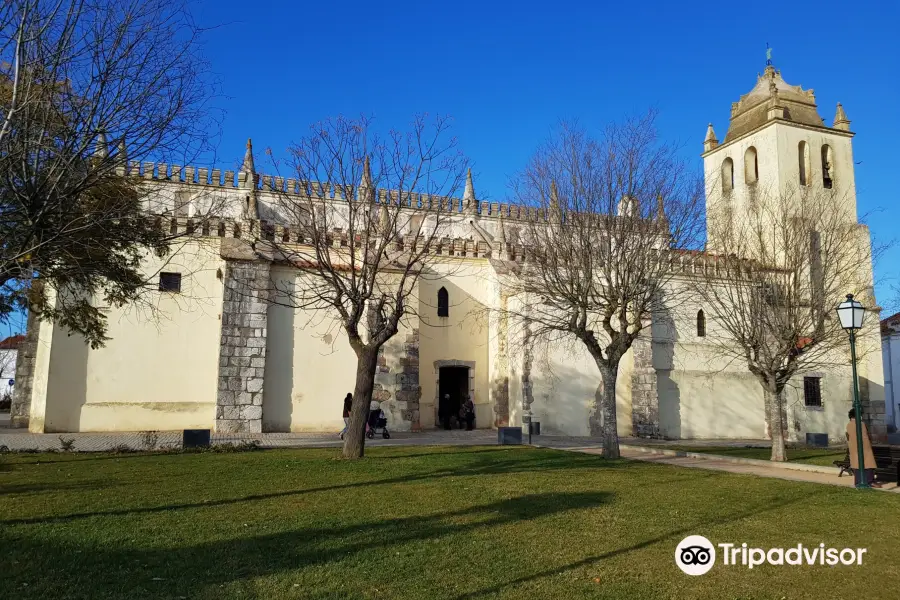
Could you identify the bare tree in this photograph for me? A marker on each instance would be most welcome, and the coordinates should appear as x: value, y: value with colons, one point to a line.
x: 367, y: 234
x: 602, y: 215
x: 781, y: 265
x: 85, y: 84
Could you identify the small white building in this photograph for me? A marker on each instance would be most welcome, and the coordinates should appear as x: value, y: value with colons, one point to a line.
x: 890, y: 355
x: 9, y: 351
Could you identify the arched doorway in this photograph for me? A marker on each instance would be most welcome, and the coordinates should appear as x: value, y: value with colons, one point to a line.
x: 455, y: 380
x: 452, y: 390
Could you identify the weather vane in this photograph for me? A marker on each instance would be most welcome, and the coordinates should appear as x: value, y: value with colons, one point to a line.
x: 768, y: 55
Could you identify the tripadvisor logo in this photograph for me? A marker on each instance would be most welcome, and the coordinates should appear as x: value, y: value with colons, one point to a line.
x: 696, y: 555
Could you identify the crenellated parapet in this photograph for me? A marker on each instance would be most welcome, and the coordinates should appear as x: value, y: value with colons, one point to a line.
x: 160, y: 171
x: 327, y: 191
x: 689, y: 263
x: 253, y: 229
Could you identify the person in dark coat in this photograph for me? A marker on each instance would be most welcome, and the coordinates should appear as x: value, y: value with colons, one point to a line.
x: 868, y: 456
x: 348, y: 404
x: 444, y: 411
x: 468, y: 413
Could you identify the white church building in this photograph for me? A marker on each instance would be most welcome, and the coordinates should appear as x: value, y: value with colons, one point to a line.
x: 206, y: 359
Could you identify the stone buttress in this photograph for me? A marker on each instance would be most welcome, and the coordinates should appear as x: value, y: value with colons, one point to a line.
x: 644, y: 393
x: 242, y: 349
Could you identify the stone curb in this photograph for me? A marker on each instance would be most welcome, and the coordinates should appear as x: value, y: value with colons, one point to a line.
x: 732, y: 459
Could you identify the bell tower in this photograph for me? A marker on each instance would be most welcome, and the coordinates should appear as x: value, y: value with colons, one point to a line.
x: 780, y: 160
x: 776, y: 144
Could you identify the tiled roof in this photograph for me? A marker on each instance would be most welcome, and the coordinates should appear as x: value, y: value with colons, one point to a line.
x: 751, y: 111
x: 891, y: 324
x: 12, y: 342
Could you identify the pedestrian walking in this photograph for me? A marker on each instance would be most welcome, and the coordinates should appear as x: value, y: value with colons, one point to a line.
x: 348, y: 404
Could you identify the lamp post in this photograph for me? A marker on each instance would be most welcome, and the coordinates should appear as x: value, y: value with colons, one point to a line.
x: 851, y: 314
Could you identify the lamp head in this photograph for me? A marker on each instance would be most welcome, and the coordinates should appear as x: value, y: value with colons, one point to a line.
x: 851, y: 313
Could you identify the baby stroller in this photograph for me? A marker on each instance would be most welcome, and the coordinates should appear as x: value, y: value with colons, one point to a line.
x: 377, y: 421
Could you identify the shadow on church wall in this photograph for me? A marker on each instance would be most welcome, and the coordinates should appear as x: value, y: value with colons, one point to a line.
x: 67, y: 382
x: 701, y: 393
x: 278, y: 401
x: 664, y: 335
x: 565, y: 383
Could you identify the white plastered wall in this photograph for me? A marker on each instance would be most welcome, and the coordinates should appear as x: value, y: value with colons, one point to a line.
x: 159, y: 369
x: 310, y: 366
x: 566, y: 382
x: 702, y: 392
x: 707, y: 393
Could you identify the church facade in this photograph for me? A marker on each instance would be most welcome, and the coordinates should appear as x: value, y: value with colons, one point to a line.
x: 204, y: 356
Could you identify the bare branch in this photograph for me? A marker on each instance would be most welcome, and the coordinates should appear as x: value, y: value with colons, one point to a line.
x: 367, y: 216
x: 84, y: 86
x: 601, y: 216
x: 780, y: 269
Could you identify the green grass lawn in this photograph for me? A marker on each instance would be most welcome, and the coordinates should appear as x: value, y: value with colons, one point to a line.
x: 810, y: 456
x: 430, y: 523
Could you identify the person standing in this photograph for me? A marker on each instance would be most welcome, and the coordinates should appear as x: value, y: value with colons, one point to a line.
x: 868, y: 457
x: 444, y: 411
x: 469, y: 413
x: 348, y: 404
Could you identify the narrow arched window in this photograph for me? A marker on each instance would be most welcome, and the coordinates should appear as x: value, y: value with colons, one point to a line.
x: 727, y: 175
x: 443, y: 303
x: 701, y: 324
x: 827, y: 167
x: 803, y: 157
x: 751, y: 168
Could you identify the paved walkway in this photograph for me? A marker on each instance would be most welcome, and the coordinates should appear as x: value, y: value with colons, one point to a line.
x: 760, y: 468
x: 632, y: 448
x: 18, y: 439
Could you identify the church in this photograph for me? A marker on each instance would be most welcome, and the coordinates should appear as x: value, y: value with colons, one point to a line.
x: 203, y: 358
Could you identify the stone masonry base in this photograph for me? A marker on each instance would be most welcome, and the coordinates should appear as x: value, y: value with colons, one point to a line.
x: 242, y: 350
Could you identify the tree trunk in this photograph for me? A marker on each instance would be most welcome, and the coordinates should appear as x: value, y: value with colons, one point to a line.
x: 355, y: 438
x: 774, y: 416
x: 608, y: 426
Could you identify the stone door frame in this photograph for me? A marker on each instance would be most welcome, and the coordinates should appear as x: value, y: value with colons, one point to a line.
x: 440, y: 364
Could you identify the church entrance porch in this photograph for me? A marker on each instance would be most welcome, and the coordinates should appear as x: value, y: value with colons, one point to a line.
x: 453, y: 386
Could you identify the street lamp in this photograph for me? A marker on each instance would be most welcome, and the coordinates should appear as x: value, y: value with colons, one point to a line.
x: 851, y: 314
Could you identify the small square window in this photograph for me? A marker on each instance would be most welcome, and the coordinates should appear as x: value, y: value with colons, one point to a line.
x: 812, y: 391
x: 170, y: 282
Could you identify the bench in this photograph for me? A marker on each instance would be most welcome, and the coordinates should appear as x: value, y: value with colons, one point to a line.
x: 887, y: 463
x: 844, y: 465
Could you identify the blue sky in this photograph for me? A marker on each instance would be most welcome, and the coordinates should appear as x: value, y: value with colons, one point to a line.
x: 508, y: 73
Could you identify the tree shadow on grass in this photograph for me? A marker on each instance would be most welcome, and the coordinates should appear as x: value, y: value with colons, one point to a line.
x: 541, y: 461
x: 26, y: 489
x: 458, y: 450
x: 32, y: 458
x: 81, y: 457
x: 672, y: 536
x: 54, y: 566
x: 196, y: 570
x: 202, y: 569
